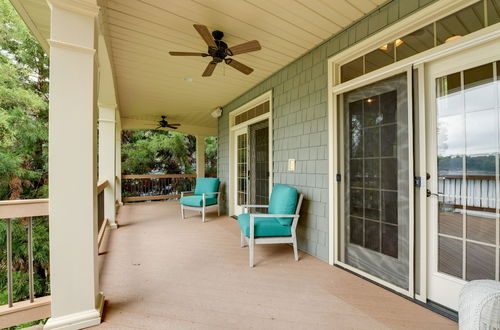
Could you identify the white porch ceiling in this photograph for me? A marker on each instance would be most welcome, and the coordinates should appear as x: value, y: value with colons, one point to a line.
x: 151, y: 83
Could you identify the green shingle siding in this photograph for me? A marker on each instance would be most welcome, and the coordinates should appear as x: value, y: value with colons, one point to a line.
x: 300, y: 122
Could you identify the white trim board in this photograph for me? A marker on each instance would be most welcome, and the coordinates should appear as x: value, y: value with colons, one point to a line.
x: 407, y: 25
x: 267, y: 96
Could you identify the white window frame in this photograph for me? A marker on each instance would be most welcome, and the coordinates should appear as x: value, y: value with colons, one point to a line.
x: 265, y: 97
x: 422, y: 18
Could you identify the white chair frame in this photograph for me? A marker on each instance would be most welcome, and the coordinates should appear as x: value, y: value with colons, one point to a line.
x: 204, y: 208
x: 252, y: 240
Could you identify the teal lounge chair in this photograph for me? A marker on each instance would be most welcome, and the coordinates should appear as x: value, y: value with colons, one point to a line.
x: 277, y: 226
x: 205, y: 197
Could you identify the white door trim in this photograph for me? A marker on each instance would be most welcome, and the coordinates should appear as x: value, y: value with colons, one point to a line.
x: 420, y: 19
x: 265, y: 97
x: 443, y: 288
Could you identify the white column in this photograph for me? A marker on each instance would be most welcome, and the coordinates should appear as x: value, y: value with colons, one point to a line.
x: 107, y: 158
x: 118, y: 161
x: 200, y: 156
x: 76, y: 301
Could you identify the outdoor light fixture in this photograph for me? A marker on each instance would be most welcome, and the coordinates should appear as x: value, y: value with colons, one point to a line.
x: 217, y: 112
x: 455, y: 37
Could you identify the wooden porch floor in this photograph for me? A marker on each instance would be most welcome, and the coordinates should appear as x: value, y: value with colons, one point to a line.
x: 161, y: 272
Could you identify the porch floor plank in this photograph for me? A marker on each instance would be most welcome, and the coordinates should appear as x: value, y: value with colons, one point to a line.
x: 161, y: 272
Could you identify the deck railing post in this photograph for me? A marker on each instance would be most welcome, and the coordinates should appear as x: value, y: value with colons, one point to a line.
x: 9, y: 262
x: 30, y: 259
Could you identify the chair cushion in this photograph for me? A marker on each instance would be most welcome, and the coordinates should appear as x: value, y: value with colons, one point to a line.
x: 283, y: 201
x: 264, y: 227
x: 206, y: 185
x: 198, y: 201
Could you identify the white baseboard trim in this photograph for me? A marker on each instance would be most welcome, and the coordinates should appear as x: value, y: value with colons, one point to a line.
x: 78, y: 320
x: 113, y: 225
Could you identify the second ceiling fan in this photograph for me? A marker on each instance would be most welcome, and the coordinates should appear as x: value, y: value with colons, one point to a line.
x: 219, y: 51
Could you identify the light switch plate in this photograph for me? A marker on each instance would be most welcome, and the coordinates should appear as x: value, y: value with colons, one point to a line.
x: 291, y: 164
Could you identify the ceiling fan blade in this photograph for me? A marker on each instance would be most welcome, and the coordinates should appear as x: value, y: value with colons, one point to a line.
x: 175, y: 124
x: 238, y: 66
x: 187, y: 54
x: 172, y: 127
x: 245, y: 47
x: 205, y: 34
x: 209, y: 70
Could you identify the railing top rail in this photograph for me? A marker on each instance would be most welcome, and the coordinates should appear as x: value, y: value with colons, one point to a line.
x: 157, y: 176
x: 101, y: 185
x: 23, y: 208
x: 469, y: 177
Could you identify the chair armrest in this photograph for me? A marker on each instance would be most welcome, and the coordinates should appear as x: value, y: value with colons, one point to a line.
x: 258, y: 215
x: 212, y: 193
x: 253, y: 215
x: 250, y: 205
x: 186, y: 192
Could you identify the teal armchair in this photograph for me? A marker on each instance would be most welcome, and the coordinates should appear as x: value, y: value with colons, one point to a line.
x: 277, y: 226
x: 205, y: 197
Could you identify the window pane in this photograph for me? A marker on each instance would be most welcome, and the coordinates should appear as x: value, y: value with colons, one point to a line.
x: 379, y: 57
x: 493, y: 11
x: 351, y: 70
x: 479, y: 87
x: 480, y: 263
x: 450, y: 256
x: 416, y: 42
x: 461, y: 23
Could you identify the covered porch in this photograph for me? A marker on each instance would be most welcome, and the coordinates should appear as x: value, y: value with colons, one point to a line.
x: 139, y: 265
x: 159, y: 271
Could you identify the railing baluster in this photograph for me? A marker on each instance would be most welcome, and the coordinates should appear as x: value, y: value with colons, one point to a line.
x: 9, y: 262
x: 30, y: 258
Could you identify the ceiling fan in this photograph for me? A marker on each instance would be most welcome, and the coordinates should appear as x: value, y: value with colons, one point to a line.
x: 163, y: 123
x: 219, y: 51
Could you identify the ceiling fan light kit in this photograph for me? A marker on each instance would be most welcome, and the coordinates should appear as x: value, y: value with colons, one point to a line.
x: 219, y: 51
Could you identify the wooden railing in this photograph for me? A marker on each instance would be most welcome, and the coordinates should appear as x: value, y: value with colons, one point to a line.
x: 15, y: 313
x: 101, y: 220
x: 478, y: 192
x: 150, y: 187
x: 35, y: 308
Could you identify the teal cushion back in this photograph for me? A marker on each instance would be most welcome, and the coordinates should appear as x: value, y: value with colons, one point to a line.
x: 206, y: 185
x: 283, y: 201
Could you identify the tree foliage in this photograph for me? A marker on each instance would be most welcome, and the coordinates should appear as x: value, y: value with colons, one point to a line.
x: 158, y: 151
x: 23, y: 149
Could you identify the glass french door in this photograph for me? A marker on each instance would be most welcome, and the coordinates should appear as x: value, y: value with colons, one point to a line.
x: 252, y: 166
x: 259, y: 164
x: 463, y: 202
x: 376, y: 200
x: 241, y: 170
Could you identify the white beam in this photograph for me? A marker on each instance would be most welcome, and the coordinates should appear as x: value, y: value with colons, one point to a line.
x: 200, y: 156
x: 76, y: 301
x: 107, y: 158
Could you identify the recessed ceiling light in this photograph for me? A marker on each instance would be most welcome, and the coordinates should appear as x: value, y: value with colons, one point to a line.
x: 188, y: 79
x: 455, y: 37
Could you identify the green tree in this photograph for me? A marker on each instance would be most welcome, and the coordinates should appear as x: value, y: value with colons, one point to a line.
x: 23, y: 148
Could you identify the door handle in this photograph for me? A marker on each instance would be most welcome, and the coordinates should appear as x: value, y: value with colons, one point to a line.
x: 430, y: 193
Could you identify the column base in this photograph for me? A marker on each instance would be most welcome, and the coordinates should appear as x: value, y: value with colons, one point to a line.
x: 78, y: 320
